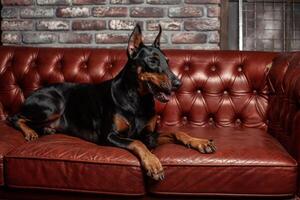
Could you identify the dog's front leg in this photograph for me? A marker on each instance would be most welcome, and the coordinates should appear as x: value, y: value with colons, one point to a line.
x: 148, y: 160
x: 202, y: 145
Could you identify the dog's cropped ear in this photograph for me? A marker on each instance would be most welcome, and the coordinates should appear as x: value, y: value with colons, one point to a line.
x: 135, y: 40
x: 156, y: 42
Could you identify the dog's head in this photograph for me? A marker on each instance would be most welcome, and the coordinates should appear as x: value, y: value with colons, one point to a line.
x: 152, y: 66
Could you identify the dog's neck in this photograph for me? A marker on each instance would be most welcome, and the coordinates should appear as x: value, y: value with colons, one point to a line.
x: 127, y: 90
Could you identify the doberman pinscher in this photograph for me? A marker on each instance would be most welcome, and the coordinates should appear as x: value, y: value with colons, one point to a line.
x: 119, y: 112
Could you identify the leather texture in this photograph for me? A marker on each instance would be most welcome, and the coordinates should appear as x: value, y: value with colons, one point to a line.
x: 220, y: 88
x: 248, y: 162
x: 9, y: 140
x: 65, y: 163
x: 224, y: 88
x: 284, y: 109
x: 230, y: 96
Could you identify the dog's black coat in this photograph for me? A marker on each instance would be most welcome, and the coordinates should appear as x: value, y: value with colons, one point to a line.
x: 118, y: 112
x: 87, y: 110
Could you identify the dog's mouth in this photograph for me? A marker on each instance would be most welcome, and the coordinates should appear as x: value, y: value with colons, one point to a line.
x: 160, y: 93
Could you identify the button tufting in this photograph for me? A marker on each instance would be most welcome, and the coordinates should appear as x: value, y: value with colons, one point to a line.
x: 238, y: 121
x: 254, y: 91
x: 240, y: 69
x: 213, y: 68
x: 158, y: 119
x: 184, y: 118
x: 211, y: 121
x: 33, y: 64
x: 84, y: 66
x: 199, y: 91
x: 186, y: 68
x: 225, y: 92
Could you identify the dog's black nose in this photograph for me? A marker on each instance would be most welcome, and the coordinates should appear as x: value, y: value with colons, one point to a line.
x: 176, y: 84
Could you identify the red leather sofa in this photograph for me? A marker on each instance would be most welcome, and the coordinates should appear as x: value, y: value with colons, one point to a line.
x: 248, y: 102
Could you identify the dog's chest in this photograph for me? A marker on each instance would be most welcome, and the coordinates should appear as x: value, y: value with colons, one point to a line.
x: 133, y: 124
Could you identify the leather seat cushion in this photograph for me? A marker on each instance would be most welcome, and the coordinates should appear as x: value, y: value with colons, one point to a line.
x: 61, y: 162
x: 248, y: 162
x: 9, y: 139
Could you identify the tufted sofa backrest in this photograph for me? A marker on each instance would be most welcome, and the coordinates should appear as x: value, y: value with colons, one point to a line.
x: 220, y: 88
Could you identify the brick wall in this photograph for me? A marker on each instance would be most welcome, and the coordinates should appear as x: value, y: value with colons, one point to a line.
x: 107, y: 23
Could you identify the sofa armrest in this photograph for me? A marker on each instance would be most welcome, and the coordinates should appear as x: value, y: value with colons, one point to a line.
x: 284, y: 106
x: 284, y: 103
x: 10, y: 139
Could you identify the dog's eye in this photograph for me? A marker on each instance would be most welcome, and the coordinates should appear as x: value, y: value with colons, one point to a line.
x: 153, y: 61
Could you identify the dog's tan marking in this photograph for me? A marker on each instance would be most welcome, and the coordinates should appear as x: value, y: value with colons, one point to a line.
x: 121, y: 123
x: 166, y: 138
x: 142, y: 87
x: 28, y: 133
x: 149, y: 161
x: 150, y: 126
x: 155, y: 78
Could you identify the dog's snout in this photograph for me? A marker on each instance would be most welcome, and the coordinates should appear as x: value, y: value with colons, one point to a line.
x: 176, y: 84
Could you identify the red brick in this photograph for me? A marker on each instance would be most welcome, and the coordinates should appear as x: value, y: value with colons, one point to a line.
x: 213, y: 37
x: 110, y: 12
x: 73, y: 12
x: 53, y: 25
x: 196, y: 46
x: 11, y: 38
x: 39, y: 38
x: 54, y: 2
x: 168, y: 25
x: 107, y: 38
x: 202, y: 24
x: 16, y: 25
x: 206, y: 46
x: 150, y: 37
x: 36, y: 12
x: 117, y: 24
x: 88, y: 25
x: 213, y: 11
x: 88, y: 2
x: 9, y: 12
x: 146, y: 12
x: 186, y: 12
x: 126, y: 1
x: 202, y: 1
x: 188, y: 38
x: 73, y: 38
x: 170, y: 2
x: 17, y: 2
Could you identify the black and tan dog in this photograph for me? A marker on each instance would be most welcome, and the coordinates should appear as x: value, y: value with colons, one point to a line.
x: 119, y: 112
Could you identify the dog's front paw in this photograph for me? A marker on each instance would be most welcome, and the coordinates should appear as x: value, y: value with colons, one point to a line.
x: 31, y: 135
x: 202, y: 145
x: 153, y: 167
